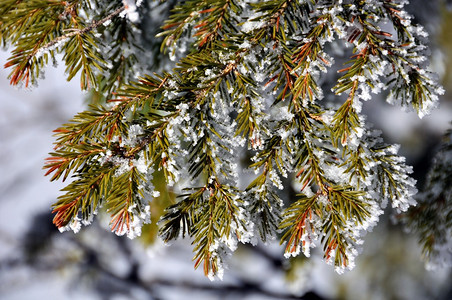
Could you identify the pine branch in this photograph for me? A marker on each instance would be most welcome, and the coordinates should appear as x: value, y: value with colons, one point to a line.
x: 36, y: 41
x: 124, y: 204
x: 214, y: 223
x: 66, y: 161
x: 192, y: 124
x: 179, y: 218
x: 79, y: 31
x: 30, y: 27
x: 82, y: 199
x: 431, y: 218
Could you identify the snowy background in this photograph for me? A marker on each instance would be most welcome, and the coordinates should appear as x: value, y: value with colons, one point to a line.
x: 37, y: 262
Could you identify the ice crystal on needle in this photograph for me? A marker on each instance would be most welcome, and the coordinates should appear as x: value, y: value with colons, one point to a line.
x: 254, y: 87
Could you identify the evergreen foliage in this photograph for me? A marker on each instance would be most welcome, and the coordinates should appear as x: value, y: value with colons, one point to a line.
x: 431, y: 219
x: 247, y: 91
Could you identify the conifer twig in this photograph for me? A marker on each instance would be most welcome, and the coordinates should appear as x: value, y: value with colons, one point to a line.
x: 75, y: 31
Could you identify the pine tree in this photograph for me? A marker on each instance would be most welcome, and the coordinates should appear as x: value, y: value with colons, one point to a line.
x: 225, y: 86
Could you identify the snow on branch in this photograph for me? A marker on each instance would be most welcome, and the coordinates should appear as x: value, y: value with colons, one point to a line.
x: 254, y: 91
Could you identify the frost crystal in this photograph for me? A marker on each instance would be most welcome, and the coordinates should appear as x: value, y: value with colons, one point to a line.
x: 431, y: 218
x: 131, y: 9
x: 252, y: 88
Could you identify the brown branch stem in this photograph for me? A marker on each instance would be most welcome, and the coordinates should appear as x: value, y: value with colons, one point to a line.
x: 75, y: 31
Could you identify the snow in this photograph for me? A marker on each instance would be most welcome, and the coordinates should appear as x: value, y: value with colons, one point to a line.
x: 131, y: 10
x: 165, y: 265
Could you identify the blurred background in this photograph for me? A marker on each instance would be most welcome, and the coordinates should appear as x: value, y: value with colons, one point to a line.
x: 38, y: 262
